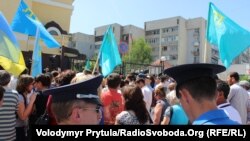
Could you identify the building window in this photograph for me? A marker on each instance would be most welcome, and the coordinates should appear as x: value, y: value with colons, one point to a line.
x: 148, y: 32
x: 54, y: 31
x: 153, y: 32
x: 175, y: 37
x: 175, y: 29
x: 214, y: 61
x: 73, y: 44
x: 125, y: 37
x: 165, y: 48
x: 97, y: 47
x: 98, y: 38
x: 196, y: 59
x: 174, y: 57
x: 170, y: 38
x: 196, y: 30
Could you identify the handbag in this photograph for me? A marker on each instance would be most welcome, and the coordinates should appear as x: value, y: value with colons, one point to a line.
x: 44, y: 119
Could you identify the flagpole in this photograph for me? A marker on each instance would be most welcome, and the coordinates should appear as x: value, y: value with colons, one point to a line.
x: 37, y: 32
x: 28, y: 62
x: 108, y: 53
x: 160, y: 48
x: 130, y: 41
x: 27, y: 44
x: 205, y: 52
x: 130, y: 46
x: 96, y: 63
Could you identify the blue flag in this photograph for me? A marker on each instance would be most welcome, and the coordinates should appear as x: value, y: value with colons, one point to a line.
x: 26, y: 22
x: 229, y: 37
x: 109, y: 54
x: 37, y: 57
x: 11, y: 57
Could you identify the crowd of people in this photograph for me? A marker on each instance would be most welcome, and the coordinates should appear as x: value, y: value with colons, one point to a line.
x: 188, y: 94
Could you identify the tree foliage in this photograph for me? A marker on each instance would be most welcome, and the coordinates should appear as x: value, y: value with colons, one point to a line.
x: 244, y: 77
x: 93, y: 61
x: 140, y: 52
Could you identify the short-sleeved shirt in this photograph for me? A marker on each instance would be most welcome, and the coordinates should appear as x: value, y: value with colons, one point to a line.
x: 214, y: 117
x: 19, y: 122
x: 165, y: 105
x: 248, y: 111
x: 177, y: 116
x: 230, y: 111
x: 113, y: 99
x: 147, y: 96
x: 8, y: 115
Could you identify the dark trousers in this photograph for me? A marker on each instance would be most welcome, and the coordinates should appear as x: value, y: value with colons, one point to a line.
x: 20, y: 134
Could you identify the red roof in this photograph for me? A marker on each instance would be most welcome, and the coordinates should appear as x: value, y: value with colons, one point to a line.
x: 166, y: 64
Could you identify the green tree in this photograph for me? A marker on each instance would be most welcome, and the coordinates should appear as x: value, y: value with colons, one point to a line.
x: 140, y: 52
x: 244, y: 77
x: 93, y: 61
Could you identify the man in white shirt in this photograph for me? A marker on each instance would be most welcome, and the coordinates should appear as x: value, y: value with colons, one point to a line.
x: 222, y: 103
x: 246, y: 85
x: 147, y: 83
x: 237, y: 96
x: 147, y: 93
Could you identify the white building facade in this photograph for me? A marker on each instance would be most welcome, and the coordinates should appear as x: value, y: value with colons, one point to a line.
x: 181, y: 41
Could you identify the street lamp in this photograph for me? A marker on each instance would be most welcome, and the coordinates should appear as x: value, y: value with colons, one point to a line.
x: 162, y: 60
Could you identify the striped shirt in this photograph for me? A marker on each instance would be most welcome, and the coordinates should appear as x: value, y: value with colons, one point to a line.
x: 8, y: 115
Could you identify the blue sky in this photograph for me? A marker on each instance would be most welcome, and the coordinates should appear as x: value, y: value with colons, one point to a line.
x: 89, y: 14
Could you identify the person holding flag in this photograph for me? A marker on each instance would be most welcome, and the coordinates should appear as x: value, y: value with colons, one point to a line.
x: 108, y: 56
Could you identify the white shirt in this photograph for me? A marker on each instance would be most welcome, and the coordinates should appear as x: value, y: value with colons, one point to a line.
x: 13, y: 82
x: 79, y: 74
x: 237, y: 97
x: 231, y: 112
x: 248, y: 111
x: 147, y: 94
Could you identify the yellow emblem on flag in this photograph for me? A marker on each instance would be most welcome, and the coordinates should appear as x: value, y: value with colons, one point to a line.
x: 218, y: 18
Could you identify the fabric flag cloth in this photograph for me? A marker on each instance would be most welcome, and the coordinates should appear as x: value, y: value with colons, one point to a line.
x: 26, y: 22
x: 37, y: 57
x: 109, y: 54
x: 87, y: 66
x: 11, y: 57
x: 229, y: 37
